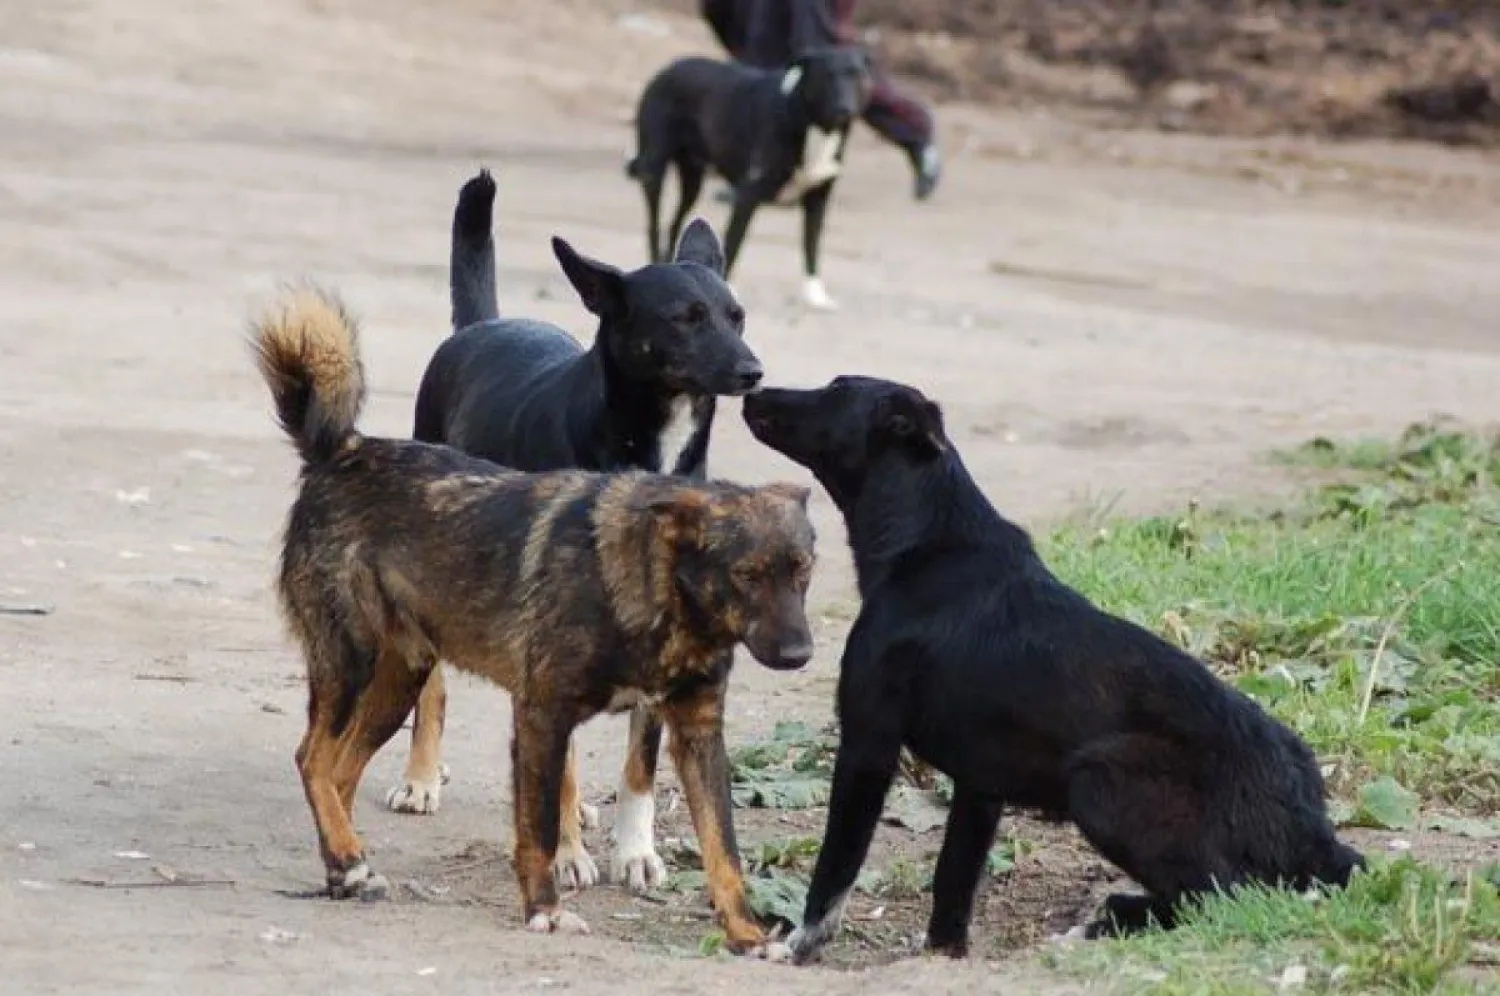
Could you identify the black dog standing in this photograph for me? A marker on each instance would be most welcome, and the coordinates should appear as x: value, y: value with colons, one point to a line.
x: 761, y: 130
x: 969, y: 651
x: 524, y: 394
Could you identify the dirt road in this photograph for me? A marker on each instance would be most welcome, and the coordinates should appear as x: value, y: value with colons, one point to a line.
x: 1103, y: 314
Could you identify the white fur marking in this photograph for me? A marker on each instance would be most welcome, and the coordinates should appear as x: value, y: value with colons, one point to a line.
x: 561, y: 922
x: 635, y: 862
x: 790, y: 80
x: 816, y: 295
x: 677, y: 433
x: 820, y: 163
x: 416, y: 795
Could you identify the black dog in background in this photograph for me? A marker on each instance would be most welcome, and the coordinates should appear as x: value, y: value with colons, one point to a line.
x: 525, y: 394
x: 969, y: 651
x: 770, y: 133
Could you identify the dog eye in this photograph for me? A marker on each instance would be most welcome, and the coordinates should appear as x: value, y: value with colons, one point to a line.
x: 736, y: 314
x: 696, y: 312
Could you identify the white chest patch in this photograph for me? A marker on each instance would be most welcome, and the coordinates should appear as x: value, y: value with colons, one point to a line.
x: 682, y: 422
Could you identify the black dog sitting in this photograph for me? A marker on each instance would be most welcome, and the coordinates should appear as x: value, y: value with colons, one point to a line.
x: 969, y: 651
x: 525, y: 394
x: 770, y: 134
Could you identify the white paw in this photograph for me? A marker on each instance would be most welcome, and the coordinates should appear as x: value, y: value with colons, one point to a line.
x: 359, y: 882
x: 638, y: 872
x: 635, y: 863
x: 776, y: 952
x: 816, y: 296
x: 588, y: 816
x: 561, y: 922
x: 416, y: 795
x: 572, y: 868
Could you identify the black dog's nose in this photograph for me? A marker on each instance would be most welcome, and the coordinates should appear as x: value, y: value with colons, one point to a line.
x: 747, y: 375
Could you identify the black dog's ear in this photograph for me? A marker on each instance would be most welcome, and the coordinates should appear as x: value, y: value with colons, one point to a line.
x: 600, y: 286
x: 913, y: 423
x: 700, y: 245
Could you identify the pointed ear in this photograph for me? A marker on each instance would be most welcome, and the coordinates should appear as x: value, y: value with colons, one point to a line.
x: 600, y: 286
x: 798, y: 493
x: 915, y: 424
x: 700, y: 245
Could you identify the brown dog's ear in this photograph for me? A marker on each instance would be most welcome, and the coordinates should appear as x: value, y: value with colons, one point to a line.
x: 915, y: 424
x: 798, y: 493
x: 679, y: 514
x: 600, y: 286
x: 700, y: 245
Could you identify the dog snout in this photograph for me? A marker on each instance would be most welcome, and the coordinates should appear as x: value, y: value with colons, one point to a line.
x: 780, y: 651
x: 748, y: 374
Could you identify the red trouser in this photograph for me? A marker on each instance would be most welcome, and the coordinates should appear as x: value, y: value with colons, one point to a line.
x: 769, y: 32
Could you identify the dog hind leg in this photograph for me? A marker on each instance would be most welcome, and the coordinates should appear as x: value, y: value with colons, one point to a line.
x: 421, y: 786
x: 972, y: 822
x: 1134, y: 804
x: 690, y: 185
x: 331, y: 762
x: 652, y: 177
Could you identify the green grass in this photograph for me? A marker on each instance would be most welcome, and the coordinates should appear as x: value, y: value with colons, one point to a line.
x: 1367, y: 617
x: 1400, y: 927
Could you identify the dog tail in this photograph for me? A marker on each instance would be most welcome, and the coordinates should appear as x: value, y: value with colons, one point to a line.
x: 307, y: 347
x: 471, y: 267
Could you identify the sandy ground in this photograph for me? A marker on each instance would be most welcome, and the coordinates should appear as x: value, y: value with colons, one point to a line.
x: 1108, y: 317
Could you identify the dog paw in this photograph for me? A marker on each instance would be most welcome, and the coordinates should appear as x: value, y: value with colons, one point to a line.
x: 816, y: 296
x: 1073, y: 935
x: 775, y: 952
x: 572, y: 868
x: 639, y: 872
x: 358, y: 882
x: 557, y: 922
x: 588, y: 816
x: 416, y: 795
x: 802, y: 945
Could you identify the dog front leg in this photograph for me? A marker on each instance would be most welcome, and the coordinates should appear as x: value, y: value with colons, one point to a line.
x: 814, y: 210
x: 635, y: 862
x: 966, y: 843
x: 697, y: 747
x: 862, y: 774
x: 538, y: 756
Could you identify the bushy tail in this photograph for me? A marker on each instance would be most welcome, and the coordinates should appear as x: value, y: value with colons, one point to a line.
x: 471, y: 266
x: 307, y: 347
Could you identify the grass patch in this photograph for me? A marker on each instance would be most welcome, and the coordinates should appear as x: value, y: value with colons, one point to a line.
x: 1401, y: 927
x: 1367, y: 617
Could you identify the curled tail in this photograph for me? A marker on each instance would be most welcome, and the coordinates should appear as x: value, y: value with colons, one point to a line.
x: 307, y: 347
x: 471, y: 266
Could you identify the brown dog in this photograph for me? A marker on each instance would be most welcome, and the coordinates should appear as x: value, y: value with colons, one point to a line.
x: 579, y: 593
